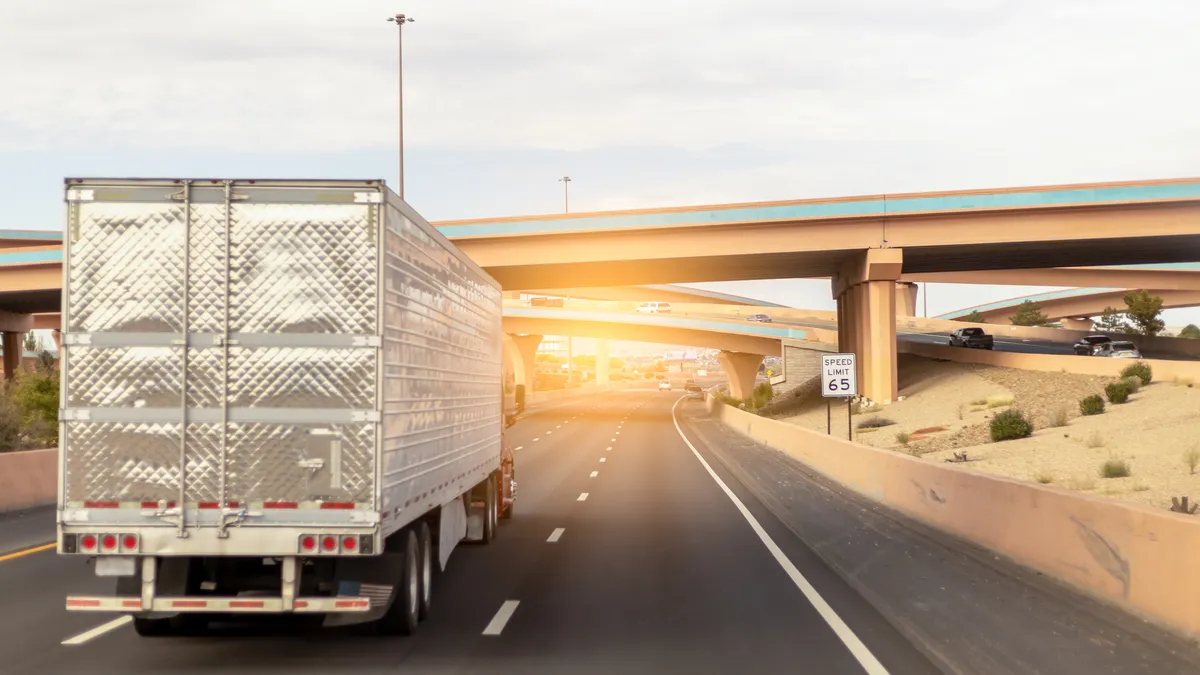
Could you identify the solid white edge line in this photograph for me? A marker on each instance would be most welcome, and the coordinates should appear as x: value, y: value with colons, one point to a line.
x: 556, y: 534
x: 594, y: 474
x: 496, y: 626
x: 582, y: 497
x: 857, y: 649
x: 99, y: 630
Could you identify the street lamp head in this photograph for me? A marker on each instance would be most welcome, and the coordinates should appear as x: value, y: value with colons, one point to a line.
x: 400, y: 19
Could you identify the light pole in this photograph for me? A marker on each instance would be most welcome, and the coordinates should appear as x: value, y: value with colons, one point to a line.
x: 925, y: 298
x: 400, y: 20
x: 566, y: 181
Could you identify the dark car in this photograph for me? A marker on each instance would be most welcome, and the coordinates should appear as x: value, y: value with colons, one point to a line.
x: 1091, y: 345
x: 973, y: 338
x: 759, y: 318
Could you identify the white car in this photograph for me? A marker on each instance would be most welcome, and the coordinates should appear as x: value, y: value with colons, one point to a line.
x: 665, y: 385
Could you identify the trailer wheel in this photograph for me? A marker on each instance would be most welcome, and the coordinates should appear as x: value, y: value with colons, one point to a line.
x: 152, y: 627
x: 506, y: 512
x: 402, y: 617
x: 425, y: 544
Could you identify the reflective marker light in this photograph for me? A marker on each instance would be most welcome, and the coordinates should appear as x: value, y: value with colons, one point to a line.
x: 308, y: 543
x: 109, y: 541
x: 88, y: 542
x: 329, y: 544
x: 349, y: 543
x: 129, y: 542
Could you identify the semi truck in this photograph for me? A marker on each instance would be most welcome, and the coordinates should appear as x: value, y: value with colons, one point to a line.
x: 279, y: 397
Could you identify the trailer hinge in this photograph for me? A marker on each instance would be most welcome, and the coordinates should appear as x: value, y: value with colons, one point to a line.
x: 368, y: 341
x: 73, y: 415
x: 368, y: 197
x: 79, y: 195
x: 366, y: 416
x: 71, y: 339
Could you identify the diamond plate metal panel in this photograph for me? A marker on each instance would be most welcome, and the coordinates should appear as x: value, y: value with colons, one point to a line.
x: 302, y: 378
x: 124, y: 377
x: 303, y: 269
x: 273, y: 462
x: 122, y: 462
x: 126, y: 268
x: 206, y: 269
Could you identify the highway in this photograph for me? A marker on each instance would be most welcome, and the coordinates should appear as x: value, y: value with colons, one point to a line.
x: 646, y: 539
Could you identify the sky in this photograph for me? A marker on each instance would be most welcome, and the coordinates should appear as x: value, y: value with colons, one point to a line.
x: 642, y: 104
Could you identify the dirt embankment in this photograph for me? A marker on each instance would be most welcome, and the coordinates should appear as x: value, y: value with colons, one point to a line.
x: 947, y: 410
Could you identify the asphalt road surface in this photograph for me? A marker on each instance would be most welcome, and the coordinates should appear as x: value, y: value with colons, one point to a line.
x: 646, y: 539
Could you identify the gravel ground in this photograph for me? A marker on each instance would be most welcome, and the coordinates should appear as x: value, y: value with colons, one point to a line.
x: 1153, y: 432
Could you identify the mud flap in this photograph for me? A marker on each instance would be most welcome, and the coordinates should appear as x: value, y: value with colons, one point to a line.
x: 376, y: 578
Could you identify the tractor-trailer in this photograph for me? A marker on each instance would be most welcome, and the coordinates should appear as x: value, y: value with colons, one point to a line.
x: 278, y: 397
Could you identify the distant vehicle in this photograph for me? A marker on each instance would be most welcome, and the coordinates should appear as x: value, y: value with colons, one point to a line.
x: 972, y: 338
x: 1092, y: 345
x: 701, y: 373
x: 654, y: 308
x: 759, y: 318
x: 664, y: 385
x: 1123, y: 350
x: 694, y: 392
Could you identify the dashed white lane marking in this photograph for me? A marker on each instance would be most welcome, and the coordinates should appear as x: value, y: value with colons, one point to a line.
x: 612, y: 440
x: 98, y: 631
x: 594, y: 474
x: 608, y: 448
x: 558, y: 427
x: 556, y: 534
x: 496, y: 626
x: 618, y: 433
x: 582, y: 497
x: 519, y: 447
x: 536, y: 440
x: 602, y: 459
x: 857, y: 649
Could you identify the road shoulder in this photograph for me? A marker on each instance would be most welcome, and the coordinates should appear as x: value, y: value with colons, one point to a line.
x: 964, y: 607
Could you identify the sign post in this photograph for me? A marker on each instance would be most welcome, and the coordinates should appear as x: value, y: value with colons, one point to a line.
x: 839, y: 379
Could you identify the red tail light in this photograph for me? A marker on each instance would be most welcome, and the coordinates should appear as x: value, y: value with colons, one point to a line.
x: 308, y: 543
x: 87, y: 543
x: 349, y: 543
x: 129, y: 543
x: 108, y: 542
x: 329, y: 544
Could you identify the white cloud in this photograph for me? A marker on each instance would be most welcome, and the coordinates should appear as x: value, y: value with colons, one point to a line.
x: 314, y: 75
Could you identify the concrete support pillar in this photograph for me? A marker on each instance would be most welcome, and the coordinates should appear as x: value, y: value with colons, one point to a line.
x: 867, y: 295
x: 602, y: 362
x: 524, y: 358
x: 741, y: 369
x: 906, y: 299
x: 14, y: 348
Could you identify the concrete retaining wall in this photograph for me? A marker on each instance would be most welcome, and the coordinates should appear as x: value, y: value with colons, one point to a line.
x: 1140, y: 559
x: 28, y: 479
x: 1052, y: 363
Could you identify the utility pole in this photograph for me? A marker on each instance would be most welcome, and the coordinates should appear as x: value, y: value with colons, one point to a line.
x: 566, y: 181
x: 925, y: 298
x: 400, y: 20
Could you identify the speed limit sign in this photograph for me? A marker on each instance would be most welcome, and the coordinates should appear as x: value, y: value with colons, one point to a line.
x: 839, y: 376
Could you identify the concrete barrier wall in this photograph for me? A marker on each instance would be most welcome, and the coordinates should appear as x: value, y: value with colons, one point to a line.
x: 28, y: 479
x: 1140, y: 559
x: 1052, y: 363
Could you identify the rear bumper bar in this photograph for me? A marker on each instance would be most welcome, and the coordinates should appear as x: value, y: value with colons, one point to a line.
x: 208, y: 604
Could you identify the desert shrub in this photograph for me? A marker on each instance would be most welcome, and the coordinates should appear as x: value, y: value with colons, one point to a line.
x: 762, y: 395
x: 1192, y: 459
x: 1044, y: 478
x: 1134, y: 384
x: 1117, y: 392
x: 35, y: 396
x: 1009, y: 425
x: 1115, y: 468
x: 874, y: 423
x: 1094, y: 440
x: 1140, y: 370
x: 1058, y: 417
x: 902, y: 437
x: 1091, y: 405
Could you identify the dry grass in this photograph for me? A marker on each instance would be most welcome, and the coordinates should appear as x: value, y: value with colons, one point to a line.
x: 1094, y: 440
x: 999, y: 400
x: 1058, y: 417
x: 1044, y: 478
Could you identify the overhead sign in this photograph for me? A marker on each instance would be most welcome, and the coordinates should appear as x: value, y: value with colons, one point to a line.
x: 839, y: 375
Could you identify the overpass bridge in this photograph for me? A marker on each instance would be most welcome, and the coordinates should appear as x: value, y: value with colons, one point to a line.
x: 864, y: 244
x: 1074, y: 302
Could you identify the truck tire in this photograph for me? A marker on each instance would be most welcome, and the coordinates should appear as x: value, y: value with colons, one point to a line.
x: 426, y: 570
x: 506, y: 513
x: 402, y: 616
x: 152, y: 627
